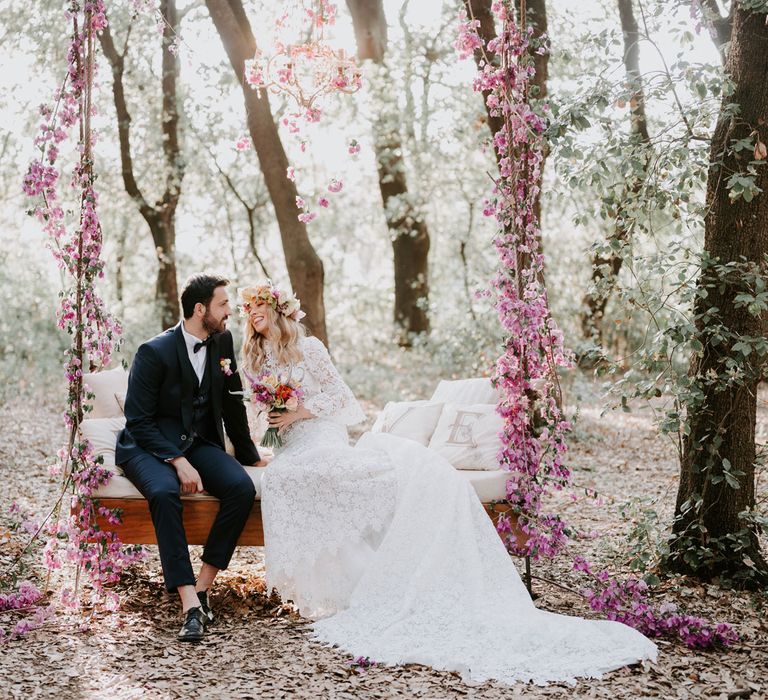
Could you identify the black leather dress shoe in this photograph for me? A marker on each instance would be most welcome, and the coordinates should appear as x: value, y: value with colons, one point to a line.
x: 203, y: 596
x: 193, y: 628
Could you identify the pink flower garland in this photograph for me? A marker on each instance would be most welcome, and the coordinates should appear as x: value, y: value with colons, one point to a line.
x: 77, y: 538
x: 534, y: 432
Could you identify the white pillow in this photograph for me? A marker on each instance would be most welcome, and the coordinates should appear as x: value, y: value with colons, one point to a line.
x: 105, y: 385
x: 466, y: 391
x: 415, y: 420
x: 102, y: 434
x: 467, y: 435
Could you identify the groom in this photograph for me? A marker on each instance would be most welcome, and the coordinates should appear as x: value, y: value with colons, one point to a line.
x: 173, y: 443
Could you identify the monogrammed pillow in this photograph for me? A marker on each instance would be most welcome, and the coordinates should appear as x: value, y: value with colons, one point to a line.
x: 415, y: 420
x: 467, y: 435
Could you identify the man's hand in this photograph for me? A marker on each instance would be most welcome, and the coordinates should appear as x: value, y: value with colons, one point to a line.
x: 188, y: 476
x: 264, y: 461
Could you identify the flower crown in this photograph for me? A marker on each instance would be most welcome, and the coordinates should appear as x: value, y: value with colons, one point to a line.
x: 283, y: 302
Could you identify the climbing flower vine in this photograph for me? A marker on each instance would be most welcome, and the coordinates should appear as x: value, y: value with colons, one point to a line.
x: 535, y: 429
x: 73, y: 535
x: 534, y: 435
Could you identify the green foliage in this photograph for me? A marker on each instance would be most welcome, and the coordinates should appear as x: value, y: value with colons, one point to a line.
x: 31, y: 347
x: 645, y: 538
x: 644, y: 203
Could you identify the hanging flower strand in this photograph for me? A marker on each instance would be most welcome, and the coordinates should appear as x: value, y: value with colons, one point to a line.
x: 304, y: 70
x: 534, y: 432
x: 95, y: 333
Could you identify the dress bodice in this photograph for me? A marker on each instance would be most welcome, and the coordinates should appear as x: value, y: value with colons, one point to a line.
x: 326, y: 394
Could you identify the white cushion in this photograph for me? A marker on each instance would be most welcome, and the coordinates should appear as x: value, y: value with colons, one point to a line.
x: 105, y: 385
x: 467, y: 435
x: 102, y: 434
x: 467, y: 391
x: 415, y: 420
x: 489, y: 485
x: 121, y: 487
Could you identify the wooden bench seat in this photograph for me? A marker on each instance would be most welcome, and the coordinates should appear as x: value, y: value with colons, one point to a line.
x: 200, y: 509
x: 136, y: 526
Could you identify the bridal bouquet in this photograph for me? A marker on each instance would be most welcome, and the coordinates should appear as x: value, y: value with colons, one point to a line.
x: 269, y: 393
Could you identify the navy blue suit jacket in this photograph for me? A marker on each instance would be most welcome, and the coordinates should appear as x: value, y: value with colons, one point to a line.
x: 158, y: 404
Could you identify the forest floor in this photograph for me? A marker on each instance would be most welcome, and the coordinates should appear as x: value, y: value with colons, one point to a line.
x: 259, y: 648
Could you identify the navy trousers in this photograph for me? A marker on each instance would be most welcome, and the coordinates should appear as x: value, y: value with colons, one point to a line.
x: 222, y: 477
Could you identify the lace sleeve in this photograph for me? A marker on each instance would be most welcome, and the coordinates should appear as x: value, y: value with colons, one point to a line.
x: 335, y: 399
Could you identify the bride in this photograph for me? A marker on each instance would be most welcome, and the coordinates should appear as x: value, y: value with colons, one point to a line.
x: 386, y: 548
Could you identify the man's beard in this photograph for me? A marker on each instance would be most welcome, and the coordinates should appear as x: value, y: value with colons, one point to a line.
x: 211, y: 325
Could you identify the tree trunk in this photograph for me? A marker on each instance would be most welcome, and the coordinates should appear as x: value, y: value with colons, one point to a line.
x: 161, y: 216
x: 166, y: 292
x: 305, y: 269
x: 536, y: 16
x: 606, y: 268
x: 407, y: 228
x: 370, y: 27
x: 717, y: 478
x: 406, y: 224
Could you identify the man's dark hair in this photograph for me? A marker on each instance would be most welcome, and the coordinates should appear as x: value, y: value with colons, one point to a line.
x: 199, y: 289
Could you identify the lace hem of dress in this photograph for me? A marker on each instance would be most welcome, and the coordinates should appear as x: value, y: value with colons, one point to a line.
x: 491, y: 669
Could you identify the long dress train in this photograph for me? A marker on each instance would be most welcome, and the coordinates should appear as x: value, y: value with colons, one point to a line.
x: 391, y: 553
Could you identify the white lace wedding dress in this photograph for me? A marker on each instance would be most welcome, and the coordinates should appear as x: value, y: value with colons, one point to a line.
x: 392, y: 554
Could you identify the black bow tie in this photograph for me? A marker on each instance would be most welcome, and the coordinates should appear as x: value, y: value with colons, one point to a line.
x: 202, y: 344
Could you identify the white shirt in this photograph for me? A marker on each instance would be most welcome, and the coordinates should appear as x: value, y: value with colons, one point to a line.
x: 196, y: 358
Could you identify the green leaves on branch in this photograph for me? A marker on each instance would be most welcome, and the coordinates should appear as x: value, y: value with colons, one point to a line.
x: 742, y: 186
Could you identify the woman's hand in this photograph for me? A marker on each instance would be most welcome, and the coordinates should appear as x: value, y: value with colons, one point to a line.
x: 282, y: 419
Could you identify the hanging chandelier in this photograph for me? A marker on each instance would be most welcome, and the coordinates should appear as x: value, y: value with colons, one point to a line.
x: 304, y: 70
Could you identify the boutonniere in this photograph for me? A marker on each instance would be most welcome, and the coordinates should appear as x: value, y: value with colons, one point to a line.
x: 225, y: 363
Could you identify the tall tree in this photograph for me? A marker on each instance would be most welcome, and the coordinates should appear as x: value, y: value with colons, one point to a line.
x: 712, y: 533
x: 160, y: 216
x: 606, y: 267
x: 305, y: 269
x: 406, y: 223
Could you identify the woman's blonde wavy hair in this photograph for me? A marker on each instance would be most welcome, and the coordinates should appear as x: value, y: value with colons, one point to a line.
x: 286, y: 335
